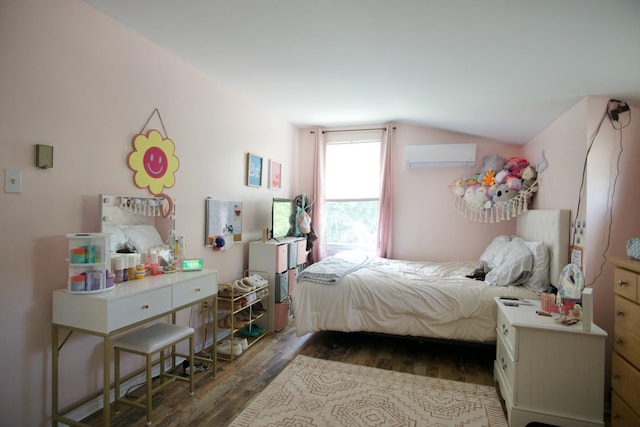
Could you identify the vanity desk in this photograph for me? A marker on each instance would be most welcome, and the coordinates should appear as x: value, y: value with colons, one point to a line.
x: 124, y: 307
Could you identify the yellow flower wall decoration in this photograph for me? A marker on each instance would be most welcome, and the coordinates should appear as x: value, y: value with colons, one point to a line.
x: 153, y: 161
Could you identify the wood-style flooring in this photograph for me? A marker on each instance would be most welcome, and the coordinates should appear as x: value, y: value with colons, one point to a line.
x: 218, y: 400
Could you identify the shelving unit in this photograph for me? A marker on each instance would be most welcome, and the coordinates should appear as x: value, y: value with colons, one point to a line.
x: 237, y: 303
x: 281, y: 259
x: 89, y: 263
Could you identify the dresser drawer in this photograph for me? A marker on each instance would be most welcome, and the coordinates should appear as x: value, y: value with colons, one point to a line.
x: 627, y: 329
x: 506, y: 364
x: 190, y: 291
x: 136, y: 308
x: 507, y: 332
x: 621, y: 414
x: 625, y: 380
x: 625, y: 283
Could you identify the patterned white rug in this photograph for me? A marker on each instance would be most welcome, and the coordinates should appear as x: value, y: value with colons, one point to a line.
x: 315, y: 392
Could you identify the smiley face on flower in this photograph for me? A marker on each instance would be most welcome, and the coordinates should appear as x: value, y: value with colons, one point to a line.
x: 153, y: 161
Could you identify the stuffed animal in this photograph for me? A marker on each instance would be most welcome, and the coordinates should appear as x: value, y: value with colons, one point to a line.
x: 473, y: 179
x: 489, y: 178
x: 476, y: 196
x: 459, y: 187
x: 481, y: 198
x: 513, y: 183
x: 515, y: 166
x: 469, y: 195
x: 503, y: 193
x: 495, y: 163
x: 501, y: 177
x: 529, y: 175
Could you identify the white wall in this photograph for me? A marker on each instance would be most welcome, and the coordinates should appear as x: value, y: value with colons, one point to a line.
x: 75, y: 79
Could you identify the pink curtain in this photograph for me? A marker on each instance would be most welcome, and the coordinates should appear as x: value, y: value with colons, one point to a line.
x: 318, y: 221
x: 383, y: 244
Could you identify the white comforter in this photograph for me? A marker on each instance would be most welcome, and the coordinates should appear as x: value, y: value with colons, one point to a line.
x: 422, y: 299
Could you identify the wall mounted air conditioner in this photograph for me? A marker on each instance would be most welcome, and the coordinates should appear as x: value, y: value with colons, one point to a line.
x: 440, y: 155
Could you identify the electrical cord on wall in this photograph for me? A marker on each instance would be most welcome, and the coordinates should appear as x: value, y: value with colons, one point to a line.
x: 613, y: 114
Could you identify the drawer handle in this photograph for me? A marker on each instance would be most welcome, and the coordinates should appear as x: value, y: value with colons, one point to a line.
x: 621, y: 282
x: 616, y: 376
x: 505, y: 330
x: 145, y: 306
x: 619, y: 313
x: 197, y: 289
x: 618, y: 341
x: 504, y: 364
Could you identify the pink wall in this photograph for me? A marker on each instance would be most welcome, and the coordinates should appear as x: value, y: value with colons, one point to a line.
x: 81, y: 82
x: 565, y: 143
x: 73, y: 78
x: 426, y: 225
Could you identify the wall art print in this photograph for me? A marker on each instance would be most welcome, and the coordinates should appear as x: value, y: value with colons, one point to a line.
x: 275, y: 174
x: 254, y: 170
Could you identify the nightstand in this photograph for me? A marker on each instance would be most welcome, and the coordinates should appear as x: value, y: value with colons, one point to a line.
x: 548, y: 372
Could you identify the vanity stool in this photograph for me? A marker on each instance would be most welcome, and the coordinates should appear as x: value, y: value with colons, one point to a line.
x: 147, y: 342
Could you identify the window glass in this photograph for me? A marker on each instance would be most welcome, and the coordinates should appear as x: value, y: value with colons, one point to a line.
x: 352, y: 195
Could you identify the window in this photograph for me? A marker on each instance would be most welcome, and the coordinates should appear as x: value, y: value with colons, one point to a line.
x: 352, y: 194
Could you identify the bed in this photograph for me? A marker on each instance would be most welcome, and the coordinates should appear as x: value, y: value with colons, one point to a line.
x: 352, y: 292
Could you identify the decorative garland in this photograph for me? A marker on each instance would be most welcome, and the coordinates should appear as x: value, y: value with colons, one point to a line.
x: 499, y: 211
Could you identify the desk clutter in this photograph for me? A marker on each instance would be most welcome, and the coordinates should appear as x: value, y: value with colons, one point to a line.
x: 89, y: 263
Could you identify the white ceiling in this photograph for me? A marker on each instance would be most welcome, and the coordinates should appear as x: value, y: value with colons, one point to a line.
x: 501, y: 69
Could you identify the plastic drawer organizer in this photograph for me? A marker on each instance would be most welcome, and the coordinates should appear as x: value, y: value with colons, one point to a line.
x: 242, y: 315
x: 89, y: 263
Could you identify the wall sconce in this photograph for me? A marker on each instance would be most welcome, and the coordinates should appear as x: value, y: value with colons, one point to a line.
x: 44, y: 156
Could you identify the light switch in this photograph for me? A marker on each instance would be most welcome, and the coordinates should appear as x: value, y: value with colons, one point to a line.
x: 13, y: 181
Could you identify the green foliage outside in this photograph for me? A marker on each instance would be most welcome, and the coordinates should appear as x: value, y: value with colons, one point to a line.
x: 352, y: 223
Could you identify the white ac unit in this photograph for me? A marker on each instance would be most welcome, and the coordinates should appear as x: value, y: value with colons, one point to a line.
x: 440, y: 155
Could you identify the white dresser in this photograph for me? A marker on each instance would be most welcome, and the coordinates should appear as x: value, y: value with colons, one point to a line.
x: 548, y: 372
x: 127, y: 305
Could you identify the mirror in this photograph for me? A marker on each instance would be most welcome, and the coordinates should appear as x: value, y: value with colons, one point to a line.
x: 145, y: 222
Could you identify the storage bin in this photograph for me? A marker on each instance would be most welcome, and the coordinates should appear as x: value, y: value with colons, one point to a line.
x: 281, y: 316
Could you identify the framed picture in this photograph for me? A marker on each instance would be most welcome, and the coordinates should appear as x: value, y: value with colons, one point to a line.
x: 275, y: 174
x: 254, y: 170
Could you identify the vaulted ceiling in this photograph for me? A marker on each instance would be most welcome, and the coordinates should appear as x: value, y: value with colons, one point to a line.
x: 501, y: 69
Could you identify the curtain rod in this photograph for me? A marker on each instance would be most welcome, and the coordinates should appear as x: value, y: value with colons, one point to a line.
x: 350, y: 130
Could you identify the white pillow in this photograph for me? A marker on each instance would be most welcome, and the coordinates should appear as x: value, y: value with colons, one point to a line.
x: 539, y: 280
x: 118, y: 237
x: 494, y: 247
x: 143, y: 236
x: 513, y: 263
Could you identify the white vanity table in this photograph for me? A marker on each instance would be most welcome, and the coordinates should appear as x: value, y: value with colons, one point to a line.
x: 548, y: 372
x: 126, y: 306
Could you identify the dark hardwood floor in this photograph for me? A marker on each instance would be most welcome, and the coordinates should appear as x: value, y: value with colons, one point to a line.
x: 218, y: 400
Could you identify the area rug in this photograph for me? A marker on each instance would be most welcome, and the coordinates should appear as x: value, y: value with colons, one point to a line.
x: 314, y: 392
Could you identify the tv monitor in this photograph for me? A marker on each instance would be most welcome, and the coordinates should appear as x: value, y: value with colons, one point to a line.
x: 282, y: 218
